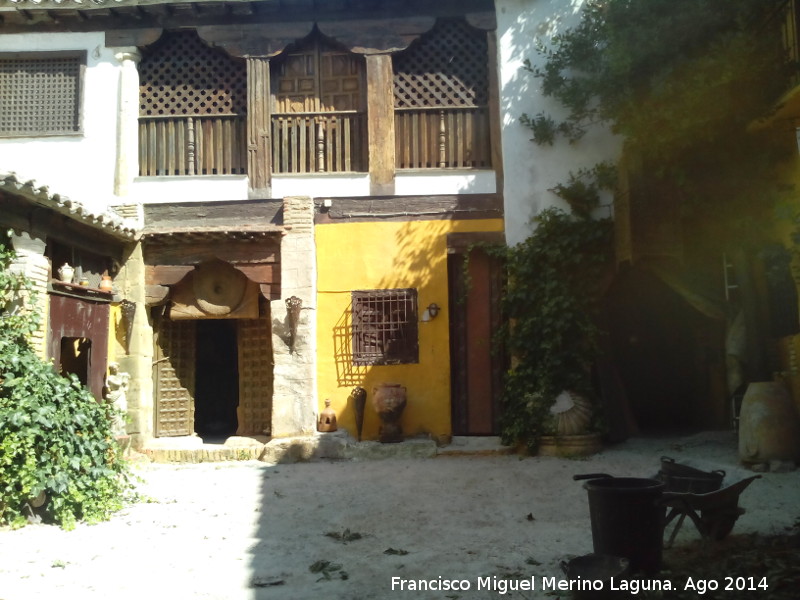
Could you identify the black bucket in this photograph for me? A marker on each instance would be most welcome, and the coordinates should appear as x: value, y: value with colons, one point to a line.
x: 627, y: 519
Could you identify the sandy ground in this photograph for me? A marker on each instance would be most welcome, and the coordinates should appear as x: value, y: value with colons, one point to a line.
x: 249, y: 530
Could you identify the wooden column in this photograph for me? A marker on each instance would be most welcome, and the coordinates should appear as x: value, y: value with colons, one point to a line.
x: 380, y: 116
x: 259, y: 166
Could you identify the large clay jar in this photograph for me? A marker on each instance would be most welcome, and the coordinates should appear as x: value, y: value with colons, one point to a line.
x: 389, y: 401
x: 769, y: 428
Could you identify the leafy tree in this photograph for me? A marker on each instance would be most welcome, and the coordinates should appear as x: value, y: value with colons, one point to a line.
x: 681, y: 81
x: 56, y: 441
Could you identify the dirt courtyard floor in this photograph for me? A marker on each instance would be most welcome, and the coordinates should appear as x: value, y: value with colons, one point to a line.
x: 350, y: 529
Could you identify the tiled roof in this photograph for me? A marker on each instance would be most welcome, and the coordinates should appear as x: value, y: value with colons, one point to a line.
x: 107, y: 221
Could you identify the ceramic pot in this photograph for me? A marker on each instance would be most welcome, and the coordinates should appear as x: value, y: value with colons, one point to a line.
x: 768, y: 424
x: 106, y: 284
x: 389, y: 401
x: 66, y: 273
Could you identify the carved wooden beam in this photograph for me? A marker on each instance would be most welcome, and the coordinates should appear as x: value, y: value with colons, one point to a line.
x: 255, y: 40
x: 377, y: 36
x: 132, y: 37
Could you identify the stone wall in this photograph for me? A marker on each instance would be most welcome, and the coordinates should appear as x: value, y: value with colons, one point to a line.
x: 294, y: 397
x: 32, y: 263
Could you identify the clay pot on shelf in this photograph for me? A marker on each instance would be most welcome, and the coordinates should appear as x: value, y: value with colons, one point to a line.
x: 66, y: 273
x: 106, y: 284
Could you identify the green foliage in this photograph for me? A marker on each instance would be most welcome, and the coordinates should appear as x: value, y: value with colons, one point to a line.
x: 551, y: 301
x: 681, y: 81
x: 55, y: 438
x: 582, y: 189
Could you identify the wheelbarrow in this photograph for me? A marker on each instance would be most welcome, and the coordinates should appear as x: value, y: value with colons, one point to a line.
x: 713, y: 513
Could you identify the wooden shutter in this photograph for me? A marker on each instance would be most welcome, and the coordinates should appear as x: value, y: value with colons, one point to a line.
x: 255, y: 377
x: 174, y: 377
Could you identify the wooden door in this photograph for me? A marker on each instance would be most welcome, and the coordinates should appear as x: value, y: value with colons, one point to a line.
x: 255, y: 377
x: 173, y: 377
x: 475, y: 367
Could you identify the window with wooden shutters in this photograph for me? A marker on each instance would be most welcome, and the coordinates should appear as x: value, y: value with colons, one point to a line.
x: 441, y: 96
x: 40, y: 93
x: 317, y: 110
x: 192, y: 111
x: 385, y: 327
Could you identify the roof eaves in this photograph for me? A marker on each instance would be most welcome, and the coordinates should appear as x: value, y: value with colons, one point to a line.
x: 107, y: 221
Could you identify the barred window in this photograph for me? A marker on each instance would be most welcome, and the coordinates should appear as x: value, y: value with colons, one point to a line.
x: 40, y: 93
x: 385, y: 327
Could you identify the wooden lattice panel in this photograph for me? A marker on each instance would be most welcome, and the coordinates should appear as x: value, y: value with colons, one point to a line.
x: 181, y: 75
x: 175, y: 382
x: 40, y: 95
x: 447, y: 67
x: 255, y: 377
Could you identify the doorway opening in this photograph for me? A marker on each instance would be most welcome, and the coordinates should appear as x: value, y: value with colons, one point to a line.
x: 75, y: 357
x: 216, y: 379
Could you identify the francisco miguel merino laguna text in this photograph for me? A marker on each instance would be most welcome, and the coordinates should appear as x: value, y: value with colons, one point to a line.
x: 504, y: 586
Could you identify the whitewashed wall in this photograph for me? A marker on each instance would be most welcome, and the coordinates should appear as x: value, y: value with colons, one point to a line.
x: 80, y: 166
x: 530, y: 170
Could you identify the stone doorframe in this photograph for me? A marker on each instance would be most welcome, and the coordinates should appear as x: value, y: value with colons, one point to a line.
x: 293, y: 335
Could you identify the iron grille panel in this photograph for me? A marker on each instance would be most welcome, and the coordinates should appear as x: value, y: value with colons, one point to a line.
x: 385, y: 327
x: 40, y: 95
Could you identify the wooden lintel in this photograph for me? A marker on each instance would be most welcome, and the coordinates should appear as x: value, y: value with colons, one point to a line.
x: 270, y: 291
x: 155, y: 294
x: 165, y: 274
x: 260, y: 273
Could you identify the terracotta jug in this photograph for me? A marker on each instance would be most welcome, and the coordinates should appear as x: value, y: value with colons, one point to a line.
x: 389, y: 401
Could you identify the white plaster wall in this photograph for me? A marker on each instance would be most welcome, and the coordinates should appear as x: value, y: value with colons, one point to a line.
x: 80, y: 166
x: 320, y: 186
x: 205, y: 188
x: 420, y: 183
x: 530, y: 170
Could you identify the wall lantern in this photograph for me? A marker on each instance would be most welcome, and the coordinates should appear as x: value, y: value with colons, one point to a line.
x: 429, y: 314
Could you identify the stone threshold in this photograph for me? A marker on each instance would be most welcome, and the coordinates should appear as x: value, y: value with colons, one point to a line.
x: 321, y: 446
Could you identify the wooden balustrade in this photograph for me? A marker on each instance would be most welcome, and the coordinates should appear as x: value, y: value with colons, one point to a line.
x: 330, y: 142
x: 431, y: 138
x: 193, y: 145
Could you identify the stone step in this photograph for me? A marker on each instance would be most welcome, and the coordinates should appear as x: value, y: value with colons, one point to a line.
x: 332, y: 446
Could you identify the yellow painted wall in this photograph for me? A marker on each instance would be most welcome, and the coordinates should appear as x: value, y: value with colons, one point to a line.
x: 387, y: 255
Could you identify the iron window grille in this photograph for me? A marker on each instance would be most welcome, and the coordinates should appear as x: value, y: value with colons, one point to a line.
x: 40, y: 93
x: 385, y: 327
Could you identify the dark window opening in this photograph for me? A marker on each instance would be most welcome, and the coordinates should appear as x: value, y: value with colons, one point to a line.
x: 75, y: 357
x: 385, y: 327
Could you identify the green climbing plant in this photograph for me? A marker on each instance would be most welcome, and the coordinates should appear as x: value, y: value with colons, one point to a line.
x: 58, y: 458
x: 555, y: 282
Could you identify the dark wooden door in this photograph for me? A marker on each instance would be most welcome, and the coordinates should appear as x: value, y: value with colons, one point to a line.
x: 255, y: 377
x: 475, y: 367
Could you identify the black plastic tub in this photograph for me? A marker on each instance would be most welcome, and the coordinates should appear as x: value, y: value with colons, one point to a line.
x: 627, y: 518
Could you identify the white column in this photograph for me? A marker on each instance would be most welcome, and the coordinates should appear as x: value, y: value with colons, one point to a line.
x: 127, y: 120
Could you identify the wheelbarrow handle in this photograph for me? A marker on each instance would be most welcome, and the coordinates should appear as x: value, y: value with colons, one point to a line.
x: 592, y: 476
